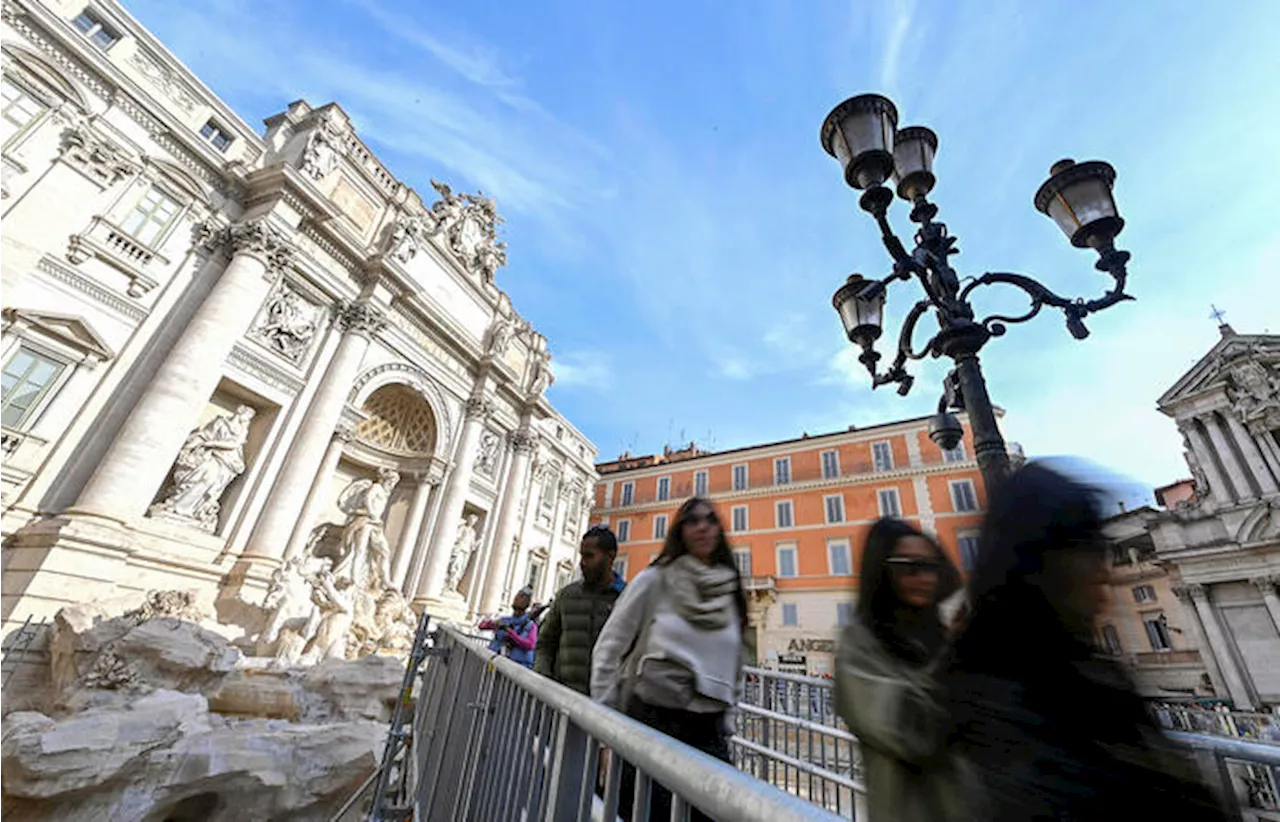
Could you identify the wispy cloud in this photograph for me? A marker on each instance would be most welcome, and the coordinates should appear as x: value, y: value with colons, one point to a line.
x: 583, y: 370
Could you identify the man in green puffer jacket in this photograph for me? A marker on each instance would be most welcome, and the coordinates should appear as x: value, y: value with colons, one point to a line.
x: 579, y: 611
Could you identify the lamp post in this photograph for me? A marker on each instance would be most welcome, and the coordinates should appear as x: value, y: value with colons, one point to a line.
x: 862, y: 134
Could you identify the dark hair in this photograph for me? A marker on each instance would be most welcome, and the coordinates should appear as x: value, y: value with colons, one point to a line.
x: 674, y: 548
x: 1034, y: 512
x: 912, y: 635
x: 603, y: 537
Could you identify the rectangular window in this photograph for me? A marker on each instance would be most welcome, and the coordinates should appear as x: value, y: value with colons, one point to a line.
x: 628, y: 493
x: 954, y: 454
x: 830, y: 465
x: 664, y: 489
x: 28, y: 377
x: 1157, y: 632
x: 92, y: 27
x: 838, y: 561
x: 782, y: 471
x: 1144, y: 593
x: 882, y: 454
x: 739, y: 518
x: 887, y: 498
x: 150, y: 217
x: 624, y: 530
x: 782, y: 514
x: 789, y: 615
x: 742, y: 558
x: 20, y: 109
x: 660, y: 526
x: 700, y: 484
x: 963, y: 497
x: 834, y: 505
x: 844, y: 613
x: 215, y: 136
x: 739, y: 477
x: 1111, y: 640
x: 968, y: 545
x: 787, y: 561
x: 535, y: 575
x: 564, y: 576
x: 620, y: 565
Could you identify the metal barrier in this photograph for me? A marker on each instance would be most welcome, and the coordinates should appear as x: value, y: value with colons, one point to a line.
x: 1251, y: 725
x: 495, y: 742
x: 788, y: 734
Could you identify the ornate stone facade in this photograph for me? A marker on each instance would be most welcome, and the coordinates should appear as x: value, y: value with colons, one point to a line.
x: 226, y: 368
x: 1223, y: 541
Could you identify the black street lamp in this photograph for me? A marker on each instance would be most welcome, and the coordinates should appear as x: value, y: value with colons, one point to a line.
x: 862, y: 133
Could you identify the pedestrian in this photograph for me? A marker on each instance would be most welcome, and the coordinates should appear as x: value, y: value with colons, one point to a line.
x: 672, y: 654
x: 1049, y: 728
x: 886, y: 686
x: 516, y: 636
x: 579, y: 612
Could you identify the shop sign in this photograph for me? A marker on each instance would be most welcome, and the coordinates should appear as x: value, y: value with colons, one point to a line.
x: 820, y: 646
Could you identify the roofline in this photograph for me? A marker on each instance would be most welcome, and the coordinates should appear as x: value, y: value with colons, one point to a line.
x: 963, y: 416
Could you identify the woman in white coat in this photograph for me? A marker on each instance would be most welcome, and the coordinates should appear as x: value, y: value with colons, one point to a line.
x: 671, y: 655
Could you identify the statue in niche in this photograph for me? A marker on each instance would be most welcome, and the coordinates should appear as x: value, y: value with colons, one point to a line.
x: 366, y: 554
x: 320, y: 157
x: 210, y: 459
x: 487, y: 457
x: 289, y: 324
x: 463, y: 547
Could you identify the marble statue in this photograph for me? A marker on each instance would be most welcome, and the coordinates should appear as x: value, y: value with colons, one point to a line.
x: 406, y: 239
x: 289, y: 324
x: 334, y: 599
x: 500, y: 334
x: 487, y: 456
x: 1253, y: 392
x: 366, y: 554
x: 542, y: 377
x: 320, y: 157
x: 470, y: 223
x: 210, y: 459
x: 463, y: 547
x: 293, y: 615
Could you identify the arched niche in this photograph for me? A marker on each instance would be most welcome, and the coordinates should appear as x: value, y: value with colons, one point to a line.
x: 417, y: 381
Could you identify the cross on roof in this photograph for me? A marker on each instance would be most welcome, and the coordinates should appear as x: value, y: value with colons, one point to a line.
x: 1217, y: 313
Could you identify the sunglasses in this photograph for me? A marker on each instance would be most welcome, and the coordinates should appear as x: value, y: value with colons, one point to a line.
x: 698, y: 519
x: 913, y: 566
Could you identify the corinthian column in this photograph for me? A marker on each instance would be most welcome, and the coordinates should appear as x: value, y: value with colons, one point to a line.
x: 431, y: 583
x: 1227, y: 455
x: 1207, y: 656
x: 139, y: 458
x: 1256, y: 463
x: 408, y: 546
x: 1202, y: 449
x: 523, y: 443
x: 1220, y: 646
x: 282, y: 529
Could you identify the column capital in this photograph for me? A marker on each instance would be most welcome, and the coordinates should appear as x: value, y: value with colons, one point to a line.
x: 479, y: 408
x: 360, y: 317
x: 1190, y: 591
x: 255, y: 238
x: 1266, y: 584
x: 523, y: 441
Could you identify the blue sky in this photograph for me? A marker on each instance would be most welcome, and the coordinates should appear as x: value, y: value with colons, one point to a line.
x: 676, y: 230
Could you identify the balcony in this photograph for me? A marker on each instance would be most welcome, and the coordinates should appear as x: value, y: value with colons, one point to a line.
x: 759, y: 584
x: 116, y: 248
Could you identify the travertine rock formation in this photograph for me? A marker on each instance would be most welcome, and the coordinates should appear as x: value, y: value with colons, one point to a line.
x: 151, y: 717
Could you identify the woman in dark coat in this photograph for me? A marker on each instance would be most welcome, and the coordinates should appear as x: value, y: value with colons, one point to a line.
x: 1050, y: 730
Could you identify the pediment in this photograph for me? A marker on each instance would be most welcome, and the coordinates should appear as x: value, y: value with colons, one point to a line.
x: 1213, y: 369
x: 67, y: 329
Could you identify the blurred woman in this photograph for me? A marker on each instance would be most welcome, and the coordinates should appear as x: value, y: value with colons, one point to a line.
x: 671, y: 654
x: 885, y: 684
x: 1051, y: 730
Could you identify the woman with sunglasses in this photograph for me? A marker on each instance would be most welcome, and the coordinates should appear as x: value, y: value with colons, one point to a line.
x: 885, y: 684
x: 671, y: 654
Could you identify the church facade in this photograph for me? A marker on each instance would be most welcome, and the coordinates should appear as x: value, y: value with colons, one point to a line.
x: 234, y: 358
x: 1223, y: 542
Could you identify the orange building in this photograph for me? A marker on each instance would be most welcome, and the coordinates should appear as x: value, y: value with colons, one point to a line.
x: 797, y: 513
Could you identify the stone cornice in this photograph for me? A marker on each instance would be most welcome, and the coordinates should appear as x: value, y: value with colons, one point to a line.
x: 881, y: 478
x: 98, y: 293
